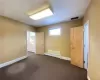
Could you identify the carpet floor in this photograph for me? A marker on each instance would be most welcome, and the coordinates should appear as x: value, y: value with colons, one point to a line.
x: 40, y: 67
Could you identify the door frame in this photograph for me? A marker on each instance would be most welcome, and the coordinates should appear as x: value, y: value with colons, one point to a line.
x: 86, y: 23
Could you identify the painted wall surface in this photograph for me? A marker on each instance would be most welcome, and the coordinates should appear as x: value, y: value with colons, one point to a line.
x: 13, y: 36
x: 93, y: 15
x: 59, y: 43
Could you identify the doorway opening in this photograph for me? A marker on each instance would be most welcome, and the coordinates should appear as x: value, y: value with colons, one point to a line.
x: 31, y: 42
x: 86, y: 44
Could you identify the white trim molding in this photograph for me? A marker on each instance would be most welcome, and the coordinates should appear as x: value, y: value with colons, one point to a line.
x: 12, y: 61
x: 88, y: 78
x: 57, y: 56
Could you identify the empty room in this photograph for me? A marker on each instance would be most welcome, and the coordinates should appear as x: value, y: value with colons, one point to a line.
x: 49, y: 39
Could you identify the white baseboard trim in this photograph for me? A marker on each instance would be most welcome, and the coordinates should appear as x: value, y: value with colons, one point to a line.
x: 58, y: 56
x: 11, y: 62
x: 88, y: 78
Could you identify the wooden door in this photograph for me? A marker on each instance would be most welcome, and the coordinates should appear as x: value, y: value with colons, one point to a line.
x: 77, y: 46
x: 40, y: 43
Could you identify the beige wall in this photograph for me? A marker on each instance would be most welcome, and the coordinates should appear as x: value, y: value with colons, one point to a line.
x: 93, y: 15
x: 59, y: 43
x: 12, y: 39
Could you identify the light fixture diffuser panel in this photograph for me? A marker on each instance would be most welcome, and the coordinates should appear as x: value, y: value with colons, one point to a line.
x: 42, y: 14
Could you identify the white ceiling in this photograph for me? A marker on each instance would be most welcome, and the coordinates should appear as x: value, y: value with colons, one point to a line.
x: 63, y: 10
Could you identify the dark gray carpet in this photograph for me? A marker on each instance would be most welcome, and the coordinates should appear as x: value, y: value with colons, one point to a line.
x: 39, y: 67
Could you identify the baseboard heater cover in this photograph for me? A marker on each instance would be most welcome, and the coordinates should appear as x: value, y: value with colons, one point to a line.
x: 58, y: 56
x: 12, y: 61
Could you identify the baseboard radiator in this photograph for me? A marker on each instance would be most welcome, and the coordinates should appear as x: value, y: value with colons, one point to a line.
x: 58, y: 56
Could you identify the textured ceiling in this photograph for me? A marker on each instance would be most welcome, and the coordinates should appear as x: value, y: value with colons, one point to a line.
x: 63, y: 10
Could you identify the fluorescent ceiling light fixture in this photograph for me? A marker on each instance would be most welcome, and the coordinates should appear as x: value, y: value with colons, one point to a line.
x: 42, y: 14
